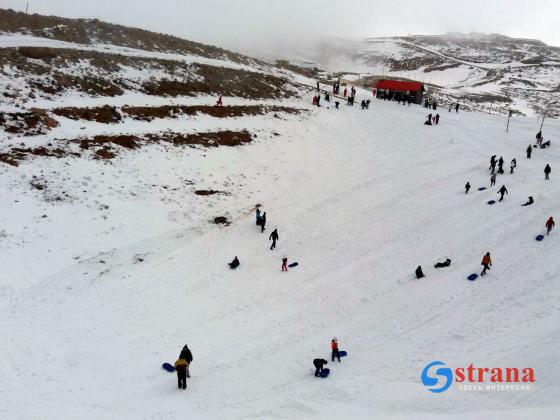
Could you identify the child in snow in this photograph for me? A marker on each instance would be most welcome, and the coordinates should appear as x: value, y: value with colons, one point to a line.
x: 334, y: 348
x: 234, y: 264
x: 493, y: 179
x: 486, y: 262
x: 512, y: 165
x: 319, y: 363
x: 418, y: 272
x: 284, y: 264
x: 549, y: 225
x: 467, y: 187
x: 529, y: 151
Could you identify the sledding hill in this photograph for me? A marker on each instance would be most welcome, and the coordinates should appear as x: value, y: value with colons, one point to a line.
x: 101, y: 288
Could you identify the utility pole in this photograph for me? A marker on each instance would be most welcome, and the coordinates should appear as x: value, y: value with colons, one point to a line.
x: 26, y: 7
x: 509, y: 116
x: 544, y: 116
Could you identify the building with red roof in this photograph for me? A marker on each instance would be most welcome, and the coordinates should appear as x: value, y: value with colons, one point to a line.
x: 400, y: 90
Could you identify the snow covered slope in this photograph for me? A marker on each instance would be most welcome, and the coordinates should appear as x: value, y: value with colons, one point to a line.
x: 101, y: 287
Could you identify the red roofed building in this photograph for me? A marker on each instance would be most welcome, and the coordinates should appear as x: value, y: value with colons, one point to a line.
x: 400, y: 90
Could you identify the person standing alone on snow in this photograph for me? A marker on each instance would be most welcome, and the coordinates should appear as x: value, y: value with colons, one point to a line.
x: 334, y: 348
x: 187, y: 355
x: 284, y: 264
x: 219, y: 103
x: 486, y: 262
x: 549, y: 225
x: 529, y: 151
x: 467, y: 187
x: 512, y: 165
x: 502, y: 191
x: 273, y: 237
x: 492, y: 179
x: 547, y: 171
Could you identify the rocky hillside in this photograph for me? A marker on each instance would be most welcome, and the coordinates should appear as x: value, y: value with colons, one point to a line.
x: 485, y: 72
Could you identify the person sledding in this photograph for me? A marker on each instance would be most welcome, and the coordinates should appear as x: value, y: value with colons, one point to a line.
x: 273, y: 237
x: 334, y: 349
x: 234, y: 264
x: 502, y: 191
x: 428, y: 120
x: 446, y: 263
x: 319, y: 366
x: 486, y: 263
x: 529, y: 201
x: 549, y: 225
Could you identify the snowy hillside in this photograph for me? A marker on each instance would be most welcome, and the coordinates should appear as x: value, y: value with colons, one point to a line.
x: 484, y: 72
x: 120, y: 213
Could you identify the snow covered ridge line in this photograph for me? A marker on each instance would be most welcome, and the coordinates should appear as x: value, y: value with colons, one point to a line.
x: 108, y: 147
x: 21, y: 40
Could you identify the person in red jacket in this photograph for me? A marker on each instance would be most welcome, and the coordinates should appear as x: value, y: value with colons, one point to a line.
x: 486, y: 262
x: 334, y: 348
x: 549, y: 225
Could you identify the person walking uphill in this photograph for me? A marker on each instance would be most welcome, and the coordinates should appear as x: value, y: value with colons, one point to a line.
x: 502, y: 191
x: 319, y: 363
x: 492, y: 179
x: 334, y: 348
x: 549, y: 225
x: 486, y: 262
x: 273, y: 237
x: 547, y: 171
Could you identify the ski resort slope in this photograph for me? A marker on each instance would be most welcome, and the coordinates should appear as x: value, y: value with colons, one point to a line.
x: 360, y: 199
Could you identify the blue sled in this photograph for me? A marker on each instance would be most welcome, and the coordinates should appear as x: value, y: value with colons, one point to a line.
x: 539, y: 237
x: 325, y: 372
x: 168, y: 367
x: 294, y: 264
x: 482, y: 188
x: 473, y: 277
x: 491, y: 202
x: 343, y: 353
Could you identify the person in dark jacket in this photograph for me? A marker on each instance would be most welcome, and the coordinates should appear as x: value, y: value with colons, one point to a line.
x: 437, y: 117
x: 273, y: 237
x: 547, y: 171
x: 529, y: 202
x: 492, y: 162
x: 549, y: 225
x: 502, y: 191
x: 539, y: 135
x: 501, y: 165
x: 446, y: 263
x: 457, y: 107
x: 234, y: 264
x: 428, y: 120
x: 419, y: 273
x: 529, y: 151
x: 319, y: 363
x: 186, y: 355
x: 263, y: 221
x: 467, y: 187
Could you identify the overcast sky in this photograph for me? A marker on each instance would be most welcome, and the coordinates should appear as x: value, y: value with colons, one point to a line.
x: 261, y: 25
